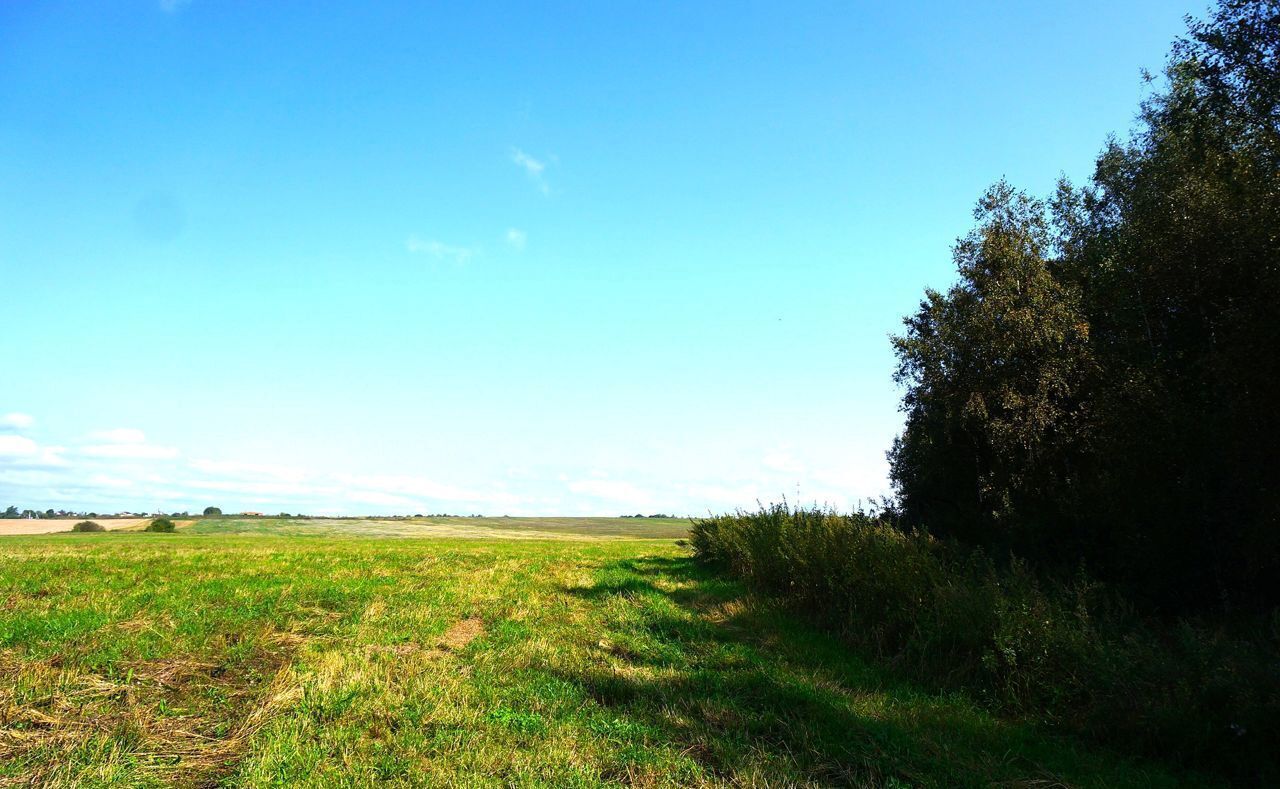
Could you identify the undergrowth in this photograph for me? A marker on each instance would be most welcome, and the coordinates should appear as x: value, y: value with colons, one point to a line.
x: 1068, y: 654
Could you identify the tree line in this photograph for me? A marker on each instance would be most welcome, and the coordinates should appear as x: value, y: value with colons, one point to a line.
x: 1101, y: 387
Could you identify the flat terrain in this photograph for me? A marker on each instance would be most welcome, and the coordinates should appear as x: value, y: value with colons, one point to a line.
x: 11, y: 526
x: 275, y: 659
x: 448, y: 526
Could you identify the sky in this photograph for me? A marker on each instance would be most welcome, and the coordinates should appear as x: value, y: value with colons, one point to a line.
x: 526, y: 259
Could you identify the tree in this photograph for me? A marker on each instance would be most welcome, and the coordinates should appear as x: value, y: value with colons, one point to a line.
x: 1100, y: 386
x: 212, y: 512
x: 994, y: 370
x: 10, y: 512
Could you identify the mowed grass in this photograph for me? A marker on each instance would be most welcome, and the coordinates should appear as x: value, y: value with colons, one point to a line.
x: 131, y: 659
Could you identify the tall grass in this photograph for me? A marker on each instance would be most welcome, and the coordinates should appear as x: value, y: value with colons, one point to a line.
x: 1069, y: 654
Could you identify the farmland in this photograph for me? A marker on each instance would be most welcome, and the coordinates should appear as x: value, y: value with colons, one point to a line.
x: 262, y: 652
x: 12, y: 526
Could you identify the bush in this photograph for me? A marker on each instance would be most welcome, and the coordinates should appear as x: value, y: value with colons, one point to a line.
x: 163, y: 525
x: 212, y: 512
x: 1065, y: 653
x: 88, y: 526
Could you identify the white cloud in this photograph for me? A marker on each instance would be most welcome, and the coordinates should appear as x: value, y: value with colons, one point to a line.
x: 267, y: 488
x: 120, y: 469
x: 380, y: 498
x: 781, y: 460
x: 51, y: 456
x: 530, y: 164
x: 125, y: 442
x: 407, y: 485
x: 439, y: 250
x: 868, y: 479
x: 516, y: 238
x: 135, y: 451
x: 18, y: 446
x: 249, y: 470
x: 714, y: 496
x: 120, y: 435
x: 16, y: 421
x: 534, y: 168
x: 20, y: 451
x: 107, y: 481
x: 613, y: 491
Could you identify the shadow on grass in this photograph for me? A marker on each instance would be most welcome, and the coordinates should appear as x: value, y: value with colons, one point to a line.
x: 757, y: 697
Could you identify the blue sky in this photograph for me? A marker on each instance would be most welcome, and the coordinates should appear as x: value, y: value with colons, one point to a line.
x: 536, y: 258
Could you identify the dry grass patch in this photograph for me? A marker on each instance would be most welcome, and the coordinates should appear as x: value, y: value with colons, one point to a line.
x: 462, y: 633
x: 157, y: 715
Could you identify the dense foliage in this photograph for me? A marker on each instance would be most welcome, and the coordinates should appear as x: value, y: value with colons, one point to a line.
x: 163, y: 525
x: 1101, y: 385
x: 88, y: 526
x: 1069, y: 655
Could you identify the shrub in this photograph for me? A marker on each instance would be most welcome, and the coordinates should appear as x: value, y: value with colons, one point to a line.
x: 1065, y: 653
x: 163, y: 525
x: 212, y: 512
x: 88, y: 526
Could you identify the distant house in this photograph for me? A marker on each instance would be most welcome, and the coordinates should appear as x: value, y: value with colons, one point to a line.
x: 250, y: 513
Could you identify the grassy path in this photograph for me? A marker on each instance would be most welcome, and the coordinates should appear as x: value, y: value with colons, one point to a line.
x: 199, y: 660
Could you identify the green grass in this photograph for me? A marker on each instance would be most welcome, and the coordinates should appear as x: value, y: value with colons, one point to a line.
x: 133, y: 659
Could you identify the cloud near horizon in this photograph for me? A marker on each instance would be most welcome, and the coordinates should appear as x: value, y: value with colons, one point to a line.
x: 120, y: 469
x: 125, y: 442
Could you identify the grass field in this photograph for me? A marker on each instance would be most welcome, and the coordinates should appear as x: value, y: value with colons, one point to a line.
x: 261, y: 657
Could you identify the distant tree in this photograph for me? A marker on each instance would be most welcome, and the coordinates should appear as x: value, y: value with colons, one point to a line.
x: 212, y: 512
x: 84, y: 526
x: 11, y: 512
